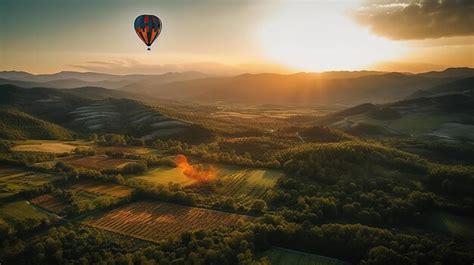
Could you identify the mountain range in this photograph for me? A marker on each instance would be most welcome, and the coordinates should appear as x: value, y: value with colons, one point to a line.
x: 344, y: 88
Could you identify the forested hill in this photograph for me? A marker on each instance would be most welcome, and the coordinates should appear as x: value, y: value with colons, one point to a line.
x: 16, y: 125
x: 97, y: 110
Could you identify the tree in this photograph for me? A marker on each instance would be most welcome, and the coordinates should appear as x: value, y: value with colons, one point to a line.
x: 382, y: 256
x: 258, y: 206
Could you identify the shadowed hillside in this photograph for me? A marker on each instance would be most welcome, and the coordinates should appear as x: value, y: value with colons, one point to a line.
x: 89, y: 110
x: 16, y: 125
x: 447, y: 118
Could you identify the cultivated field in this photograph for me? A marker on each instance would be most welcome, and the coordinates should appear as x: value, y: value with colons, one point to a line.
x: 242, y: 184
x: 281, y: 256
x: 96, y: 161
x: 255, y: 113
x: 127, y: 150
x: 50, y: 203
x: 155, y: 221
x: 245, y: 184
x: 165, y: 175
x: 102, y: 188
x: 19, y: 211
x: 14, y: 180
x: 46, y: 146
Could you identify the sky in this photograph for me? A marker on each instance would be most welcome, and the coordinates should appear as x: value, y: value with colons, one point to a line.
x: 229, y: 37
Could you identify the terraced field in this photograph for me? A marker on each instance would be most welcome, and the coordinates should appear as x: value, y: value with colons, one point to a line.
x: 120, y: 115
x: 14, y: 180
x: 281, y: 256
x: 155, y: 221
x: 96, y: 161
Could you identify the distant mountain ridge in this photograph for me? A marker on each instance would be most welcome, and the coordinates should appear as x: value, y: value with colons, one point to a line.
x: 68, y: 79
x: 460, y: 86
x: 337, y: 87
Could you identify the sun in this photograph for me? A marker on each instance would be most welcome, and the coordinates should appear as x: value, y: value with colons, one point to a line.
x: 321, y: 36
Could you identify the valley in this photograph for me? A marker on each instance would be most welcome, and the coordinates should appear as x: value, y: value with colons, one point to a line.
x: 294, y: 182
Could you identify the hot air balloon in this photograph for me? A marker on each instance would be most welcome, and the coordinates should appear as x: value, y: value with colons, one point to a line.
x: 148, y: 27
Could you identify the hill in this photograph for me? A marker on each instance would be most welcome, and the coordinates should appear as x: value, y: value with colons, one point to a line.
x: 447, y: 118
x: 68, y: 79
x: 16, y: 125
x: 465, y: 85
x: 88, y: 110
x: 130, y: 117
x: 301, y: 88
x: 97, y: 93
x: 453, y: 72
x: 338, y: 87
x: 331, y: 162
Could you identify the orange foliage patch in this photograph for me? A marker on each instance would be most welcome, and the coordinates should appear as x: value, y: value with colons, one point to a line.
x: 197, y: 172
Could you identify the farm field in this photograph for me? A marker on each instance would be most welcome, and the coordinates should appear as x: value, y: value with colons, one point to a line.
x: 87, y: 194
x: 426, y: 122
x: 281, y: 256
x: 102, y: 188
x: 155, y: 221
x: 46, y: 146
x: 96, y: 161
x: 19, y: 211
x: 277, y: 113
x: 165, y: 175
x: 243, y: 184
x: 14, y: 180
x: 126, y: 150
x: 49, y: 202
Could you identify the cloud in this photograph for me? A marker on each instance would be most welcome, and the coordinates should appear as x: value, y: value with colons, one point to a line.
x: 417, y: 19
x: 130, y: 66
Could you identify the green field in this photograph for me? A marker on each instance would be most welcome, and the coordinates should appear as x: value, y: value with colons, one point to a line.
x: 20, y: 211
x: 14, y: 180
x: 281, y: 256
x: 165, y: 175
x: 425, y: 122
x: 414, y: 123
x: 455, y: 225
x: 242, y: 184
x: 48, y: 146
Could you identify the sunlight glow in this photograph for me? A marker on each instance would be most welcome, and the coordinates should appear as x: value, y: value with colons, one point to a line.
x: 316, y: 37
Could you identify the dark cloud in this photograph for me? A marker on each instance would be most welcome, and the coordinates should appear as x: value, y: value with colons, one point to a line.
x: 418, y: 19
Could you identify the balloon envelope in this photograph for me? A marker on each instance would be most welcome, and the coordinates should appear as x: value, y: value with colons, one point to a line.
x: 148, y: 27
